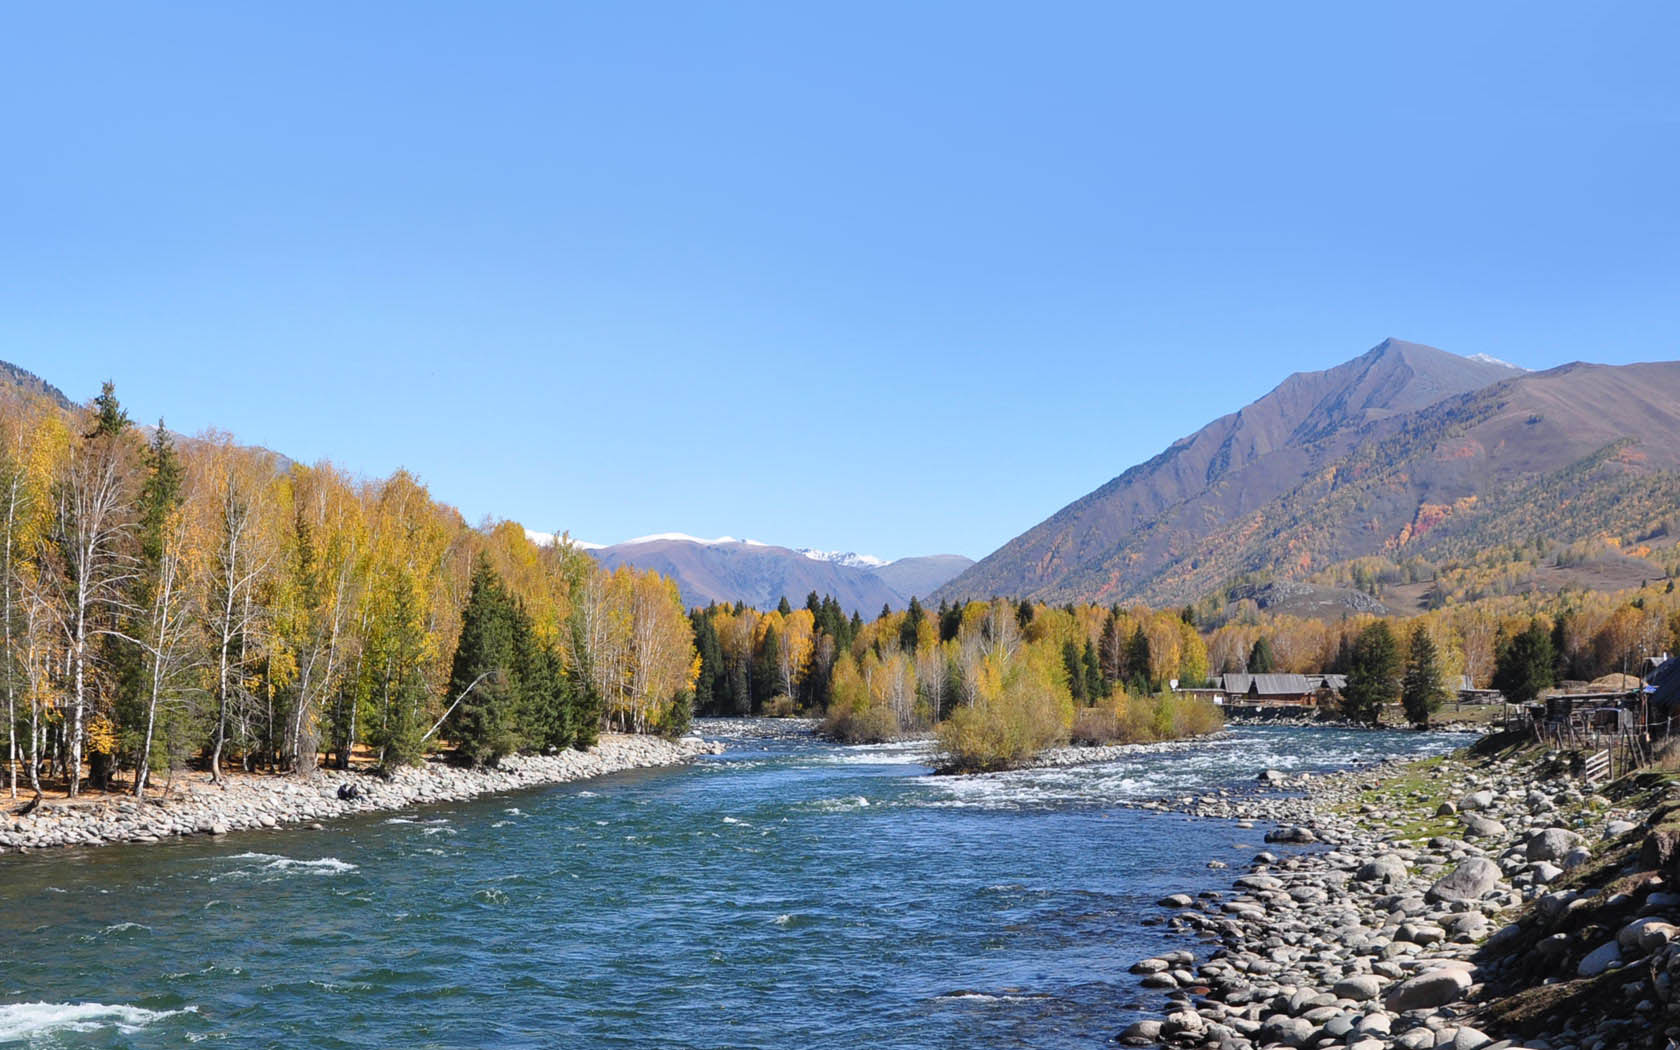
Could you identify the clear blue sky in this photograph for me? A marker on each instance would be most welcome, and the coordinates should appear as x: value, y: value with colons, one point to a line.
x: 896, y: 278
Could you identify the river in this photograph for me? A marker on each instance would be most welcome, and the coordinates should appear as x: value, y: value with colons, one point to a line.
x: 789, y: 893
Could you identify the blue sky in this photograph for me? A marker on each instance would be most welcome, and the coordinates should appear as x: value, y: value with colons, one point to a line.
x: 896, y: 278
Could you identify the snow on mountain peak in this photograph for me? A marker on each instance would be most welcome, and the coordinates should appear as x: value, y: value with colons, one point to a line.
x: 1489, y: 359
x: 547, y: 539
x: 683, y: 537
x: 848, y: 558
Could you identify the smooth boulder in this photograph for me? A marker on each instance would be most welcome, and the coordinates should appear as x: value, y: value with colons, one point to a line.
x: 1472, y: 879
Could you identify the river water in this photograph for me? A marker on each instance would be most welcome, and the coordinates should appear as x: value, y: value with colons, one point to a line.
x: 788, y: 893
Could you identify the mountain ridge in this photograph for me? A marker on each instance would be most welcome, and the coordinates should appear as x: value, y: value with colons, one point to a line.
x: 1250, y: 491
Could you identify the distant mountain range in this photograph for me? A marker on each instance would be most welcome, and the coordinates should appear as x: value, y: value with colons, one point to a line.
x: 1405, y: 451
x: 727, y: 570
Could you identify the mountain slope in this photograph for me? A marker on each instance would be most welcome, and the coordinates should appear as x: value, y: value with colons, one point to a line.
x: 21, y: 379
x: 1403, y: 451
x: 730, y: 570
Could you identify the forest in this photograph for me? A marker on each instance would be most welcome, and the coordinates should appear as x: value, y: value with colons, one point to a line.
x: 170, y: 601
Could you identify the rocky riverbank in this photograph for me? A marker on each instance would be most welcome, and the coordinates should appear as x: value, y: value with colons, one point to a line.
x: 246, y: 802
x: 1478, y: 902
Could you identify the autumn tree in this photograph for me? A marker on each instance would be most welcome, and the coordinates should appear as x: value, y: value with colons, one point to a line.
x: 90, y: 558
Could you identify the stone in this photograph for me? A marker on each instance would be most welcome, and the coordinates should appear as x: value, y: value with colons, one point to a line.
x: 1360, y: 988
x: 1177, y: 900
x: 1473, y: 878
x: 1183, y: 1023
x: 1476, y: 800
x: 1388, y: 868
x: 1446, y: 809
x: 1463, y: 1038
x: 1142, y: 1033
x: 1646, y: 935
x: 1271, y: 776
x: 1290, y: 1031
x: 1551, y: 844
x: 1605, y: 957
x: 1545, y: 872
x: 1293, y: 833
x: 1480, y: 827
x: 1428, y: 990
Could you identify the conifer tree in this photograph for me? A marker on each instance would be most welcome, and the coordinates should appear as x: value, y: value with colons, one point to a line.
x: 484, y: 678
x: 1260, y: 658
x: 1421, y: 693
x: 910, y: 630
x: 1523, y: 667
x: 1138, y: 658
x: 1373, y: 674
x: 1094, y: 687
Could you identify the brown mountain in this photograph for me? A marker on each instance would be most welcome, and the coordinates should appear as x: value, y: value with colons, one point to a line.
x: 1405, y: 451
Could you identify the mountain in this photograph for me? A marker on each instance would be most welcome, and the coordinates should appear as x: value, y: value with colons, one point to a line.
x: 1404, y: 452
x: 760, y: 574
x: 21, y: 379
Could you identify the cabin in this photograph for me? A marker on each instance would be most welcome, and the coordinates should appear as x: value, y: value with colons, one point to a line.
x: 1291, y: 689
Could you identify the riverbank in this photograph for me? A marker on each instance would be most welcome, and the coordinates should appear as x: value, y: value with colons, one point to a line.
x: 1472, y: 902
x: 251, y: 802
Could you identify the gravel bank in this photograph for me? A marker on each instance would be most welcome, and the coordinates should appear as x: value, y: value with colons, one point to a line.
x: 245, y: 802
x: 1466, y: 903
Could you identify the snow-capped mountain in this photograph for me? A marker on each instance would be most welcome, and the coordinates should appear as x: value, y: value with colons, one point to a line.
x: 851, y: 558
x: 726, y: 569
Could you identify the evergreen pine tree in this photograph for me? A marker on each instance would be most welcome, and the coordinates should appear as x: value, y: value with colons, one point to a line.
x: 1260, y: 658
x: 483, y: 723
x: 1095, y: 690
x: 1075, y: 671
x: 1138, y: 657
x: 783, y: 607
x: 1524, y: 665
x: 1373, y: 675
x: 910, y: 630
x: 1421, y: 692
x: 109, y: 417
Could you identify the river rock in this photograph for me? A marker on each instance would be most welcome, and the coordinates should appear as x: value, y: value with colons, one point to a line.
x: 1476, y: 800
x: 1292, y: 833
x: 1361, y: 988
x: 1646, y: 935
x: 1290, y: 1031
x: 1600, y: 959
x: 1388, y: 868
x: 1551, y: 844
x: 1472, y: 879
x: 1428, y: 990
x: 1478, y: 826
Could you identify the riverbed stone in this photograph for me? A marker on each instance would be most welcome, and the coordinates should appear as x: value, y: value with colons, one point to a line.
x: 1473, y: 878
x: 1605, y: 957
x: 1551, y: 844
x: 1427, y: 990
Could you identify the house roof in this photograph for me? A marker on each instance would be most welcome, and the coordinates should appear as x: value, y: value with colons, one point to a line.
x: 1663, y: 684
x: 1267, y: 684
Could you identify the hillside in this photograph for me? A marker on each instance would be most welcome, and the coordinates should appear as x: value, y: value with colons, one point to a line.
x: 1406, y: 452
x: 21, y: 379
x: 728, y: 570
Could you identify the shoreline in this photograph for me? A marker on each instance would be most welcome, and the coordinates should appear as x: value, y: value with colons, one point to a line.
x: 251, y: 802
x: 1458, y: 902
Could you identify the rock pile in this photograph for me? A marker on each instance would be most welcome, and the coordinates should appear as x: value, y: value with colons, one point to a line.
x: 1383, y: 940
x: 249, y: 802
